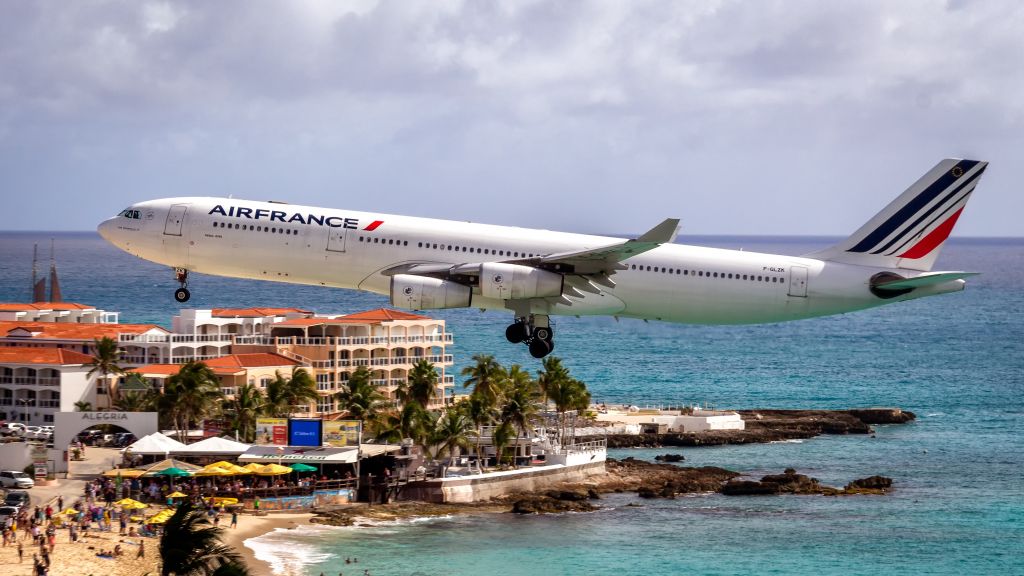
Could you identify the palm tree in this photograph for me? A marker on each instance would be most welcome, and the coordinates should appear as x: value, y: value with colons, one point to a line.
x: 484, y: 376
x: 451, y: 430
x: 481, y: 413
x: 500, y: 438
x: 519, y: 402
x: 191, y: 546
x: 190, y: 395
x: 136, y: 401
x: 359, y: 397
x: 244, y: 409
x: 563, y: 390
x: 284, y: 394
x: 410, y: 421
x: 105, y: 358
x: 83, y: 406
x: 422, y: 383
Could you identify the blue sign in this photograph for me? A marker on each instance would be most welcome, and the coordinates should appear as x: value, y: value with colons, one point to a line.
x: 305, y: 433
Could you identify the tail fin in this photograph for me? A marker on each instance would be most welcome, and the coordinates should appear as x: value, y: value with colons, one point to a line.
x: 910, y: 231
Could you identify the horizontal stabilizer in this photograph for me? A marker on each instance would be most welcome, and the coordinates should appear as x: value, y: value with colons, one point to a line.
x: 923, y: 280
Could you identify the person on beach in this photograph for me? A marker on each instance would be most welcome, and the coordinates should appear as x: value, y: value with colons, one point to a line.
x: 234, y: 518
x: 142, y: 549
x: 21, y: 552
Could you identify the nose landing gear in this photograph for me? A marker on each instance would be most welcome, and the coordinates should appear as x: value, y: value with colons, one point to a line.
x: 182, y: 294
x: 535, y: 330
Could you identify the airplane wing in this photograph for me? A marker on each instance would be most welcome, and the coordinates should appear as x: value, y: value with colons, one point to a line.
x: 923, y: 280
x: 583, y: 270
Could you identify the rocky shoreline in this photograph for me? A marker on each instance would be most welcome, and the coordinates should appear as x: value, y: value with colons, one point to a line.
x: 772, y: 426
x: 646, y: 479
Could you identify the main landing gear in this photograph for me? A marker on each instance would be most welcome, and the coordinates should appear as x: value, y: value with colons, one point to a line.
x: 182, y: 294
x: 535, y: 330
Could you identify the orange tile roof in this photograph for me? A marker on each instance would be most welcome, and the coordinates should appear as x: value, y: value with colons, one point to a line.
x: 69, y: 331
x: 15, y: 307
x: 155, y: 369
x: 369, y: 317
x: 54, y: 356
x: 384, y: 315
x: 255, y: 312
x: 254, y: 360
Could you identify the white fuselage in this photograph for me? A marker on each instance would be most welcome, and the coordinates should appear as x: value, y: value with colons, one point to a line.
x: 343, y: 249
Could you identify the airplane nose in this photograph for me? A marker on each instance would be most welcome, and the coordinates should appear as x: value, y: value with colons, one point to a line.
x: 106, y: 229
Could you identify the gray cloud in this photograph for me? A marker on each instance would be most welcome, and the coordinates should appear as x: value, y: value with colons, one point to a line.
x: 761, y: 118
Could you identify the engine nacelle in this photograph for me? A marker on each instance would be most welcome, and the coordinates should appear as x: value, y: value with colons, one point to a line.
x: 426, y: 293
x: 515, y: 282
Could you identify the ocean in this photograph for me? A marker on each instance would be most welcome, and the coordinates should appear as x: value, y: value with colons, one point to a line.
x: 956, y: 360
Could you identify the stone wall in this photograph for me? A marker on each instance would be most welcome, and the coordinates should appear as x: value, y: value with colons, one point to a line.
x: 494, y: 484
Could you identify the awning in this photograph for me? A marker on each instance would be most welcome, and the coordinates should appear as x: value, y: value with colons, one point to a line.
x: 306, y: 455
x: 213, y: 446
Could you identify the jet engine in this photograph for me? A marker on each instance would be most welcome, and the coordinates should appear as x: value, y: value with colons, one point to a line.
x: 516, y: 282
x: 426, y: 293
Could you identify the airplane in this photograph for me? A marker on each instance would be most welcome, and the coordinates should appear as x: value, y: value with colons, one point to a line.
x: 424, y: 264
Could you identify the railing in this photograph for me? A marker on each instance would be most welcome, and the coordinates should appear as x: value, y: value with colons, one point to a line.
x: 175, y: 338
x: 49, y: 403
x: 342, y: 340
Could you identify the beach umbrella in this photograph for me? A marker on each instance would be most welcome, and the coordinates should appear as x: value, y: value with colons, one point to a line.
x: 252, y: 467
x: 129, y: 504
x: 273, y: 470
x: 222, y: 501
x: 160, y: 517
x: 173, y: 472
x: 124, y: 473
x: 215, y: 471
x: 300, y: 467
x: 177, y: 494
x: 69, y: 512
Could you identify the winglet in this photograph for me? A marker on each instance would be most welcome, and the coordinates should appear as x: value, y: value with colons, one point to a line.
x: 664, y: 233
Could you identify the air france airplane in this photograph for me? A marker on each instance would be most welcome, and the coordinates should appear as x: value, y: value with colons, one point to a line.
x: 430, y: 264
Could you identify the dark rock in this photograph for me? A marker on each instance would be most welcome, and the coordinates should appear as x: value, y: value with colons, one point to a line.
x: 647, y: 492
x: 568, y: 495
x: 749, y: 488
x: 545, y: 505
x: 670, y: 458
x: 870, y: 483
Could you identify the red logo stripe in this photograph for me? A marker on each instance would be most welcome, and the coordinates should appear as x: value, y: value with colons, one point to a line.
x: 933, y: 239
x: 373, y: 225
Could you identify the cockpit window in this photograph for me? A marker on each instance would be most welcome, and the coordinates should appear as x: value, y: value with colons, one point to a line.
x: 129, y: 213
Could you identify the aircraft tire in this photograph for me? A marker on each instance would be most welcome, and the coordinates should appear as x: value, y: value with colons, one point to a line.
x: 516, y: 333
x: 540, y: 348
x: 543, y: 333
x: 182, y: 295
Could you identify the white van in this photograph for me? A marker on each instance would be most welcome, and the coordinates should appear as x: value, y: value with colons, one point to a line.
x: 15, y: 479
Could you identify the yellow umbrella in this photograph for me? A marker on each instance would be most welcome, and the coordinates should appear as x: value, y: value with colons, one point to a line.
x: 274, y: 470
x: 215, y: 471
x: 160, y: 517
x: 124, y: 473
x: 130, y: 504
x: 69, y: 512
x: 238, y: 469
x: 222, y: 464
x: 253, y: 467
x: 222, y: 501
x: 177, y: 494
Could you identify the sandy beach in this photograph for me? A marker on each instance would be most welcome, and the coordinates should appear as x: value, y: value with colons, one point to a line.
x: 79, y: 558
x: 250, y: 526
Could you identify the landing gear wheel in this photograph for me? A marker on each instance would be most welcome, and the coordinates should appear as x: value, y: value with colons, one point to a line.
x: 182, y: 295
x: 540, y: 348
x: 516, y: 333
x: 543, y: 334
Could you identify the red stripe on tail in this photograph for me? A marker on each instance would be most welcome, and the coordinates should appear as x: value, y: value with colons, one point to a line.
x: 933, y: 239
x: 373, y: 225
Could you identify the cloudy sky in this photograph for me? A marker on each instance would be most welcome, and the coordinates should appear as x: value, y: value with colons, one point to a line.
x: 784, y: 117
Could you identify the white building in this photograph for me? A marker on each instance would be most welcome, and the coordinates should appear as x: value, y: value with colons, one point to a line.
x: 697, y: 420
x: 36, y: 383
x: 68, y: 312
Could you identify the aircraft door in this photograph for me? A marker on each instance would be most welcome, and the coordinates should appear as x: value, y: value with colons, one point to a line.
x: 175, y: 217
x: 798, y: 281
x: 336, y: 239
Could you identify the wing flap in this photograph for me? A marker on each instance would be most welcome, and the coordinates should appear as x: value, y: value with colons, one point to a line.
x: 924, y: 280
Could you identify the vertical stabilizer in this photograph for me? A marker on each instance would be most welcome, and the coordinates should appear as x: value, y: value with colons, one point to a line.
x: 910, y: 231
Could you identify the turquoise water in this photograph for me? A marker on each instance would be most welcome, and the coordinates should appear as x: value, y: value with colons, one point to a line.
x: 955, y: 360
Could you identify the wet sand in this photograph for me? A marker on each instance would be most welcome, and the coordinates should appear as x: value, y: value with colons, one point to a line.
x: 250, y: 526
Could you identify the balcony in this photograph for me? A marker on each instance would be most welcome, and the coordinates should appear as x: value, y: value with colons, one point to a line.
x: 174, y: 338
x: 342, y: 341
x: 49, y: 403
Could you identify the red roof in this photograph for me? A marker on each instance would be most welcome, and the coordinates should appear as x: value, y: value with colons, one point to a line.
x: 74, y: 331
x: 165, y: 369
x: 255, y: 312
x: 254, y: 360
x: 54, y: 356
x: 15, y: 307
x: 369, y: 317
x: 384, y: 315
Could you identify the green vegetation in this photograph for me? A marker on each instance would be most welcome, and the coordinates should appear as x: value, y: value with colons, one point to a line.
x: 192, y: 546
x: 105, y: 359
